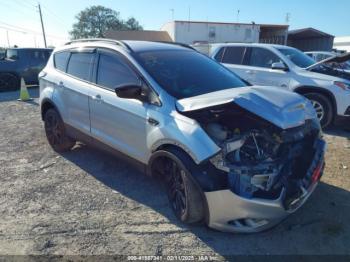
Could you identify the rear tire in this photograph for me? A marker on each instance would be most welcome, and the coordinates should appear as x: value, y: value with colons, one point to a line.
x: 323, y: 107
x: 9, y: 82
x: 185, y: 196
x: 56, y: 133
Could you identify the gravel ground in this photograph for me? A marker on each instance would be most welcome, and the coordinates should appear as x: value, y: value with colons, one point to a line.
x: 87, y: 202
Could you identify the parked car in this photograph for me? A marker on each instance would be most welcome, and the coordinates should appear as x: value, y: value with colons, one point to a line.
x: 291, y: 69
x: 22, y: 62
x: 334, y: 60
x: 199, y: 127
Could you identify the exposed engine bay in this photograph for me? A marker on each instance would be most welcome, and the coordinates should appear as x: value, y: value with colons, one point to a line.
x: 259, y: 158
x: 332, y: 71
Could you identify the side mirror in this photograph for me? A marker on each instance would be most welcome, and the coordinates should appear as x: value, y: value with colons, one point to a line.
x: 131, y: 91
x: 279, y: 66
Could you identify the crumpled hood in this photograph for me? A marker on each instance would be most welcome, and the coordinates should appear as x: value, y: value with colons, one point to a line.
x: 334, y: 59
x: 283, y: 108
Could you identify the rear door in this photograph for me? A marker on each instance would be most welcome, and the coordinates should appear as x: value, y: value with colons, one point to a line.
x: 37, y: 59
x: 233, y: 57
x: 259, y: 62
x: 72, y: 89
x: 118, y: 122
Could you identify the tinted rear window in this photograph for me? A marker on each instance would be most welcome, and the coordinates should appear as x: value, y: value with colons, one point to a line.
x: 234, y: 55
x: 39, y: 55
x: 218, y: 56
x: 60, y: 60
x: 80, y: 65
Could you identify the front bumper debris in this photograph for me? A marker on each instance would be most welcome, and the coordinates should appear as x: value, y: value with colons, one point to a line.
x: 233, y: 213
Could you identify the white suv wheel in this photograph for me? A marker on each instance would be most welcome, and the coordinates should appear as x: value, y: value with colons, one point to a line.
x: 319, y: 109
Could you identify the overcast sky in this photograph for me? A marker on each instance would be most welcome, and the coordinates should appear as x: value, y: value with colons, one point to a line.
x: 21, y: 20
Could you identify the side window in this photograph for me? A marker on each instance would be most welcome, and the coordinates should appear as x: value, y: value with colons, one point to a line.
x: 80, y: 65
x: 218, y: 56
x: 12, y: 54
x: 60, y: 60
x: 234, y: 55
x: 39, y: 56
x: 113, y: 71
x: 261, y: 57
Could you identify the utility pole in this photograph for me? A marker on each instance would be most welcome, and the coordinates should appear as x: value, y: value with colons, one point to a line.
x: 172, y: 13
x: 287, y: 18
x: 189, y: 18
x: 8, y: 39
x: 42, y: 25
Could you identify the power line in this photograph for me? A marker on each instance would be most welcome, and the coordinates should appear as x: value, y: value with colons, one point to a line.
x: 17, y: 10
x: 58, y: 19
x: 27, y: 31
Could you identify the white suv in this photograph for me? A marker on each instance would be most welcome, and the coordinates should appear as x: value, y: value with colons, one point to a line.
x: 289, y: 68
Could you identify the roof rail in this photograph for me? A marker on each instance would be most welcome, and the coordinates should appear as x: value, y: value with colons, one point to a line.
x: 177, y: 43
x: 117, y: 42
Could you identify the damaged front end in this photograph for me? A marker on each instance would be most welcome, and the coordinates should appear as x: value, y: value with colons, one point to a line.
x: 265, y: 163
x: 265, y: 171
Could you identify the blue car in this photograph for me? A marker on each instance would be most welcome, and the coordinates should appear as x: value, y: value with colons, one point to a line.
x: 22, y: 62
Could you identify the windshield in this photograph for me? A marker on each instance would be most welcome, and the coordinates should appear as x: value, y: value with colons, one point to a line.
x: 297, y: 57
x: 185, y: 73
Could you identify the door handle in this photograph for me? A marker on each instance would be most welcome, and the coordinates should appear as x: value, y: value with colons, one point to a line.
x: 61, y: 84
x: 97, y: 98
x: 152, y: 121
x: 250, y: 72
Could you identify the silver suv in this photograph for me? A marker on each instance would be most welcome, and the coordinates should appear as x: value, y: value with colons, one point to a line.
x: 238, y: 157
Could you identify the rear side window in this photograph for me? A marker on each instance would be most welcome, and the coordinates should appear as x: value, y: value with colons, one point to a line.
x: 80, y: 65
x: 218, y: 56
x: 234, y: 55
x: 60, y: 60
x: 113, y: 71
x: 39, y: 55
x: 12, y: 54
x: 261, y: 57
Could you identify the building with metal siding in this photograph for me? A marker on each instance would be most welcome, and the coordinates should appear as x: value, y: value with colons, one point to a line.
x: 310, y: 39
x: 192, y: 32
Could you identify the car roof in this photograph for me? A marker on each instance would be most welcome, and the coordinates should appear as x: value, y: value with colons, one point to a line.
x: 251, y: 45
x: 129, y: 45
x: 321, y: 52
x: 29, y: 48
x: 141, y: 46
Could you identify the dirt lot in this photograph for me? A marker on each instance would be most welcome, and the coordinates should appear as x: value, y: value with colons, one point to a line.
x: 88, y: 202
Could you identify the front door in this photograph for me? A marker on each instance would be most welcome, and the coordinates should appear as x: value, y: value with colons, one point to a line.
x: 260, y: 65
x: 118, y: 122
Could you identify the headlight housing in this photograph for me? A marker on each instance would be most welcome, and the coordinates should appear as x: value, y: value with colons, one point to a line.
x: 342, y: 85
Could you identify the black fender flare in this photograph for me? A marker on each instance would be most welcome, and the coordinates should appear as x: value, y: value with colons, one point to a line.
x: 46, y: 104
x: 205, y: 174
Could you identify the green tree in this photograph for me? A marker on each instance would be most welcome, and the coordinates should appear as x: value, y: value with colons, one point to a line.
x: 132, y: 24
x: 95, y: 21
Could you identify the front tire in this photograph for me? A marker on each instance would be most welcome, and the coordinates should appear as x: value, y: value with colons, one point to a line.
x: 56, y: 133
x: 323, y: 107
x: 185, y: 196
